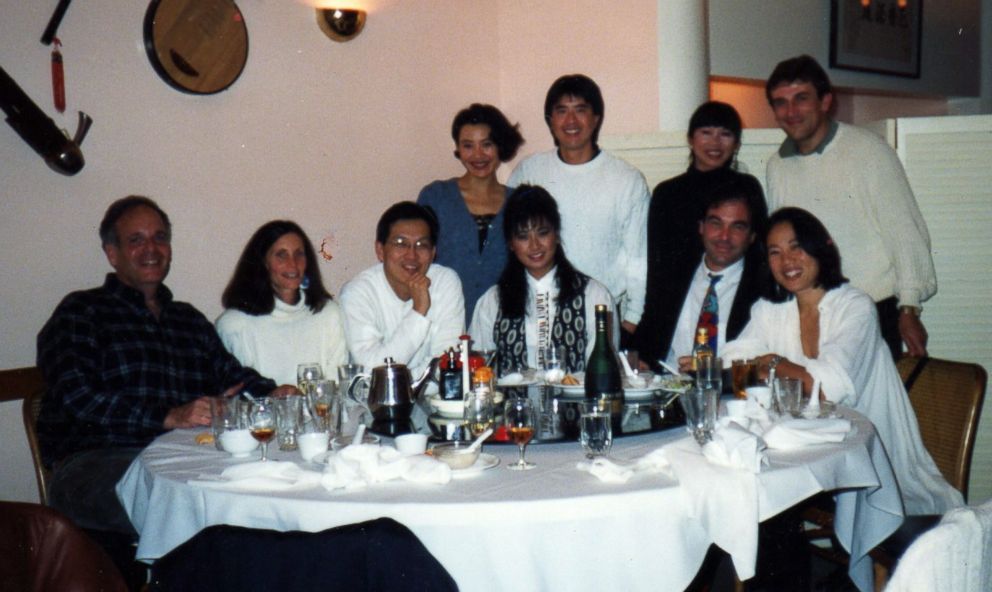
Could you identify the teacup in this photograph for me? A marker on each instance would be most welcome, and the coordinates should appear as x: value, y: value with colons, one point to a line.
x: 311, y: 444
x: 239, y: 443
x: 411, y: 444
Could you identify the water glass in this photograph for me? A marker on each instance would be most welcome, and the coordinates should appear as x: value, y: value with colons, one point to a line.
x: 595, y: 428
x: 789, y: 392
x: 287, y: 420
x: 307, y: 374
x: 225, y: 414
x: 709, y: 374
x: 742, y: 372
x: 479, y: 412
x: 553, y: 362
x: 700, y: 407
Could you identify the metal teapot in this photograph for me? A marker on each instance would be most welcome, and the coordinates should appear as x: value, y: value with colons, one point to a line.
x: 389, y: 395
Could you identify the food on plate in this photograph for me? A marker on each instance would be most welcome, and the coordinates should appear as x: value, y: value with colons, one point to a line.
x: 672, y: 383
x: 512, y: 378
x: 205, y: 438
x: 570, y: 380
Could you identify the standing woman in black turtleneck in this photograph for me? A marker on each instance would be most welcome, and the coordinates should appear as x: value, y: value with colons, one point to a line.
x: 677, y: 206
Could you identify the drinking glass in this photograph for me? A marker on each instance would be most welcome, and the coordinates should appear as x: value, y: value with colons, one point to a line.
x: 742, y: 372
x: 595, y: 430
x: 789, y: 392
x: 520, y: 421
x: 287, y: 410
x: 553, y: 362
x: 709, y: 374
x: 307, y: 374
x: 700, y: 407
x: 321, y: 400
x: 224, y: 415
x: 262, y: 422
x: 479, y: 412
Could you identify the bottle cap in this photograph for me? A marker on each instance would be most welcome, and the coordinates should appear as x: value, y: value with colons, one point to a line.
x: 483, y: 374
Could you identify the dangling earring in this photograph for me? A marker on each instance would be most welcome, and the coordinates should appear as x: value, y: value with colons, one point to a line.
x: 306, y: 282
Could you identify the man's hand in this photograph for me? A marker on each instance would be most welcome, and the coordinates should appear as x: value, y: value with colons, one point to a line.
x: 913, y: 333
x: 193, y: 414
x: 628, y: 327
x: 419, y: 286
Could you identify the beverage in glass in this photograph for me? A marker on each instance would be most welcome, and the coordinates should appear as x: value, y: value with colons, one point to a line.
x: 700, y: 405
x: 307, y: 374
x: 262, y: 422
x: 287, y: 410
x: 742, y: 373
x: 520, y: 420
x: 595, y: 429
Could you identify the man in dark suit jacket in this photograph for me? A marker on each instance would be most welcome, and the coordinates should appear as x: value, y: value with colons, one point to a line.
x: 735, y: 214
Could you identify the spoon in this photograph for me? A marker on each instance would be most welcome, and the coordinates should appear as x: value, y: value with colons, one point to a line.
x: 359, y: 434
x: 478, y: 441
x: 626, y: 366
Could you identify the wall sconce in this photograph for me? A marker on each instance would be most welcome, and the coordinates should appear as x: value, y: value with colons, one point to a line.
x: 339, y: 24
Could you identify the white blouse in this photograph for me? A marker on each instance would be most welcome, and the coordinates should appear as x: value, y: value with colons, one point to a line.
x: 855, y: 368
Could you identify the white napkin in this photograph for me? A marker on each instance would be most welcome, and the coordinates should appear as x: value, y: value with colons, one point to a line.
x: 360, y: 465
x: 796, y: 433
x: 262, y: 476
x: 609, y: 471
x: 735, y: 447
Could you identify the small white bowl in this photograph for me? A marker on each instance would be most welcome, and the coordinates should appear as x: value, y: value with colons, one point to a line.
x: 239, y: 443
x: 456, y: 454
x: 312, y: 443
x: 411, y: 444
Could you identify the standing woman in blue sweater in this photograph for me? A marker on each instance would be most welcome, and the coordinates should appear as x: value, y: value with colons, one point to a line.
x: 470, y: 208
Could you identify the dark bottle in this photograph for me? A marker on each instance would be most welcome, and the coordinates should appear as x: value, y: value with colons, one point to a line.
x: 603, y: 369
x: 451, y: 377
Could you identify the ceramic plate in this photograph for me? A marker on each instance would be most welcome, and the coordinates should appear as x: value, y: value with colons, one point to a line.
x: 484, y: 462
x: 572, y: 389
x: 672, y: 383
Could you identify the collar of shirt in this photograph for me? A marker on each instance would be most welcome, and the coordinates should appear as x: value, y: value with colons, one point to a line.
x: 789, y: 147
x: 729, y: 275
x: 115, y: 286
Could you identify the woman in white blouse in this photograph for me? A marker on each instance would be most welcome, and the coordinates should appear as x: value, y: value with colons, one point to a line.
x: 278, y: 312
x: 541, y: 300
x: 815, y: 326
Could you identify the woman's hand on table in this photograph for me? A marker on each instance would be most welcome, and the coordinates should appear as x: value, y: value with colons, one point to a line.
x: 285, y: 390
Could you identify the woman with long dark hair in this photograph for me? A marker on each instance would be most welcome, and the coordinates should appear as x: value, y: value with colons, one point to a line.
x: 541, y: 299
x: 814, y: 326
x: 278, y: 312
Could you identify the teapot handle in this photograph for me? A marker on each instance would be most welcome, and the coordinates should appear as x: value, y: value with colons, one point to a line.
x: 357, y: 393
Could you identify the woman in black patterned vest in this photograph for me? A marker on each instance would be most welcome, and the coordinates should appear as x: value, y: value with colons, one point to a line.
x: 541, y: 300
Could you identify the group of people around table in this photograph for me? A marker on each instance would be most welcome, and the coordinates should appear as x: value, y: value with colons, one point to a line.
x: 125, y: 361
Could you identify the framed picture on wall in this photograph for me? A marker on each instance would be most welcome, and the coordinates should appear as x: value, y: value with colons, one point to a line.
x: 881, y: 36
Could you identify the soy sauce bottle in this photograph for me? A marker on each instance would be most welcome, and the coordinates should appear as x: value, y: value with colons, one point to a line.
x: 451, y: 376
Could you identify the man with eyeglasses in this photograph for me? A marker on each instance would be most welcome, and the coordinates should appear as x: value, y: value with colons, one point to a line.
x: 404, y: 307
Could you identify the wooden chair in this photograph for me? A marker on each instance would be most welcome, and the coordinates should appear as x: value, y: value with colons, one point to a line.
x: 28, y: 383
x: 947, y: 398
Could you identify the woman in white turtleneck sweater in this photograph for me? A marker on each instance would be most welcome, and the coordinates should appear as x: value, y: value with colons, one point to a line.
x: 278, y: 313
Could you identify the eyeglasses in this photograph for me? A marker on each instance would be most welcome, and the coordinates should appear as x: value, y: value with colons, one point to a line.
x: 422, y: 246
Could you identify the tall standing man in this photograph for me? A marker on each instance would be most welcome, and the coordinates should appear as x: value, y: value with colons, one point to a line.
x: 853, y: 182
x: 603, y: 200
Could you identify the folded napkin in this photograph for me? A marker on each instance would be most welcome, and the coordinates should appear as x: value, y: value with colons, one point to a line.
x: 360, y: 465
x: 735, y: 447
x: 261, y: 476
x: 796, y: 433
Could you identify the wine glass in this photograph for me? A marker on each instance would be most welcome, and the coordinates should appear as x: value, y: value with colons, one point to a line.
x: 479, y: 412
x: 262, y: 419
x: 520, y: 421
x: 307, y: 374
x: 321, y: 398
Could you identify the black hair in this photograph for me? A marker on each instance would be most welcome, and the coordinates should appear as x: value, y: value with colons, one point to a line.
x: 250, y: 290
x: 405, y: 210
x: 742, y: 188
x: 529, y: 205
x: 799, y: 69
x: 580, y: 86
x: 505, y: 135
x: 716, y: 114
x: 108, y: 226
x: 814, y: 239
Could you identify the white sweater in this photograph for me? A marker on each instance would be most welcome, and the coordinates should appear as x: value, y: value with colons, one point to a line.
x: 274, y: 344
x: 378, y: 324
x: 857, y: 187
x: 604, y: 211
x: 855, y: 368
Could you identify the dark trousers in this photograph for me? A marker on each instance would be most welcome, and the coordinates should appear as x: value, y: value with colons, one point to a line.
x: 888, y: 320
x: 83, y: 485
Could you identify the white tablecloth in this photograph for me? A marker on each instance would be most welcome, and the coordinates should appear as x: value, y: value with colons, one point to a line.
x: 551, y: 528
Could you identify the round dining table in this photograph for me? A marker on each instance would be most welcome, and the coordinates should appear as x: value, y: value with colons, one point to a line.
x: 551, y: 528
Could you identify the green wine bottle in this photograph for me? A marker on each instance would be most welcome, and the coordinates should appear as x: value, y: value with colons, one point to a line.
x: 603, y: 370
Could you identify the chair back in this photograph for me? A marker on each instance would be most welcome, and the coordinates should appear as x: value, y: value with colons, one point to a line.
x: 28, y: 383
x: 947, y: 398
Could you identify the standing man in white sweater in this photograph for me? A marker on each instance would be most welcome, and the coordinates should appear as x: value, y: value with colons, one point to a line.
x: 603, y: 200
x: 853, y: 182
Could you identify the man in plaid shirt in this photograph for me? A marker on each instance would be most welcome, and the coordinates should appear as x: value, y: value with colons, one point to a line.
x: 124, y: 363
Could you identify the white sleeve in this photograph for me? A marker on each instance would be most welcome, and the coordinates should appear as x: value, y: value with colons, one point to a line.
x: 484, y: 319
x: 751, y: 342
x: 847, y: 342
x: 519, y: 174
x: 335, y: 346
x: 231, y: 328
x: 634, y: 250
x: 447, y: 312
x: 369, y: 344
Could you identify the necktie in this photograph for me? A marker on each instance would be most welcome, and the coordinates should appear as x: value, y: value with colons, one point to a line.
x: 709, y: 314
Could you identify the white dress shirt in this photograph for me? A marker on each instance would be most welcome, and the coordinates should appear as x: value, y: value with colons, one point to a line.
x: 726, y: 290
x: 379, y: 325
